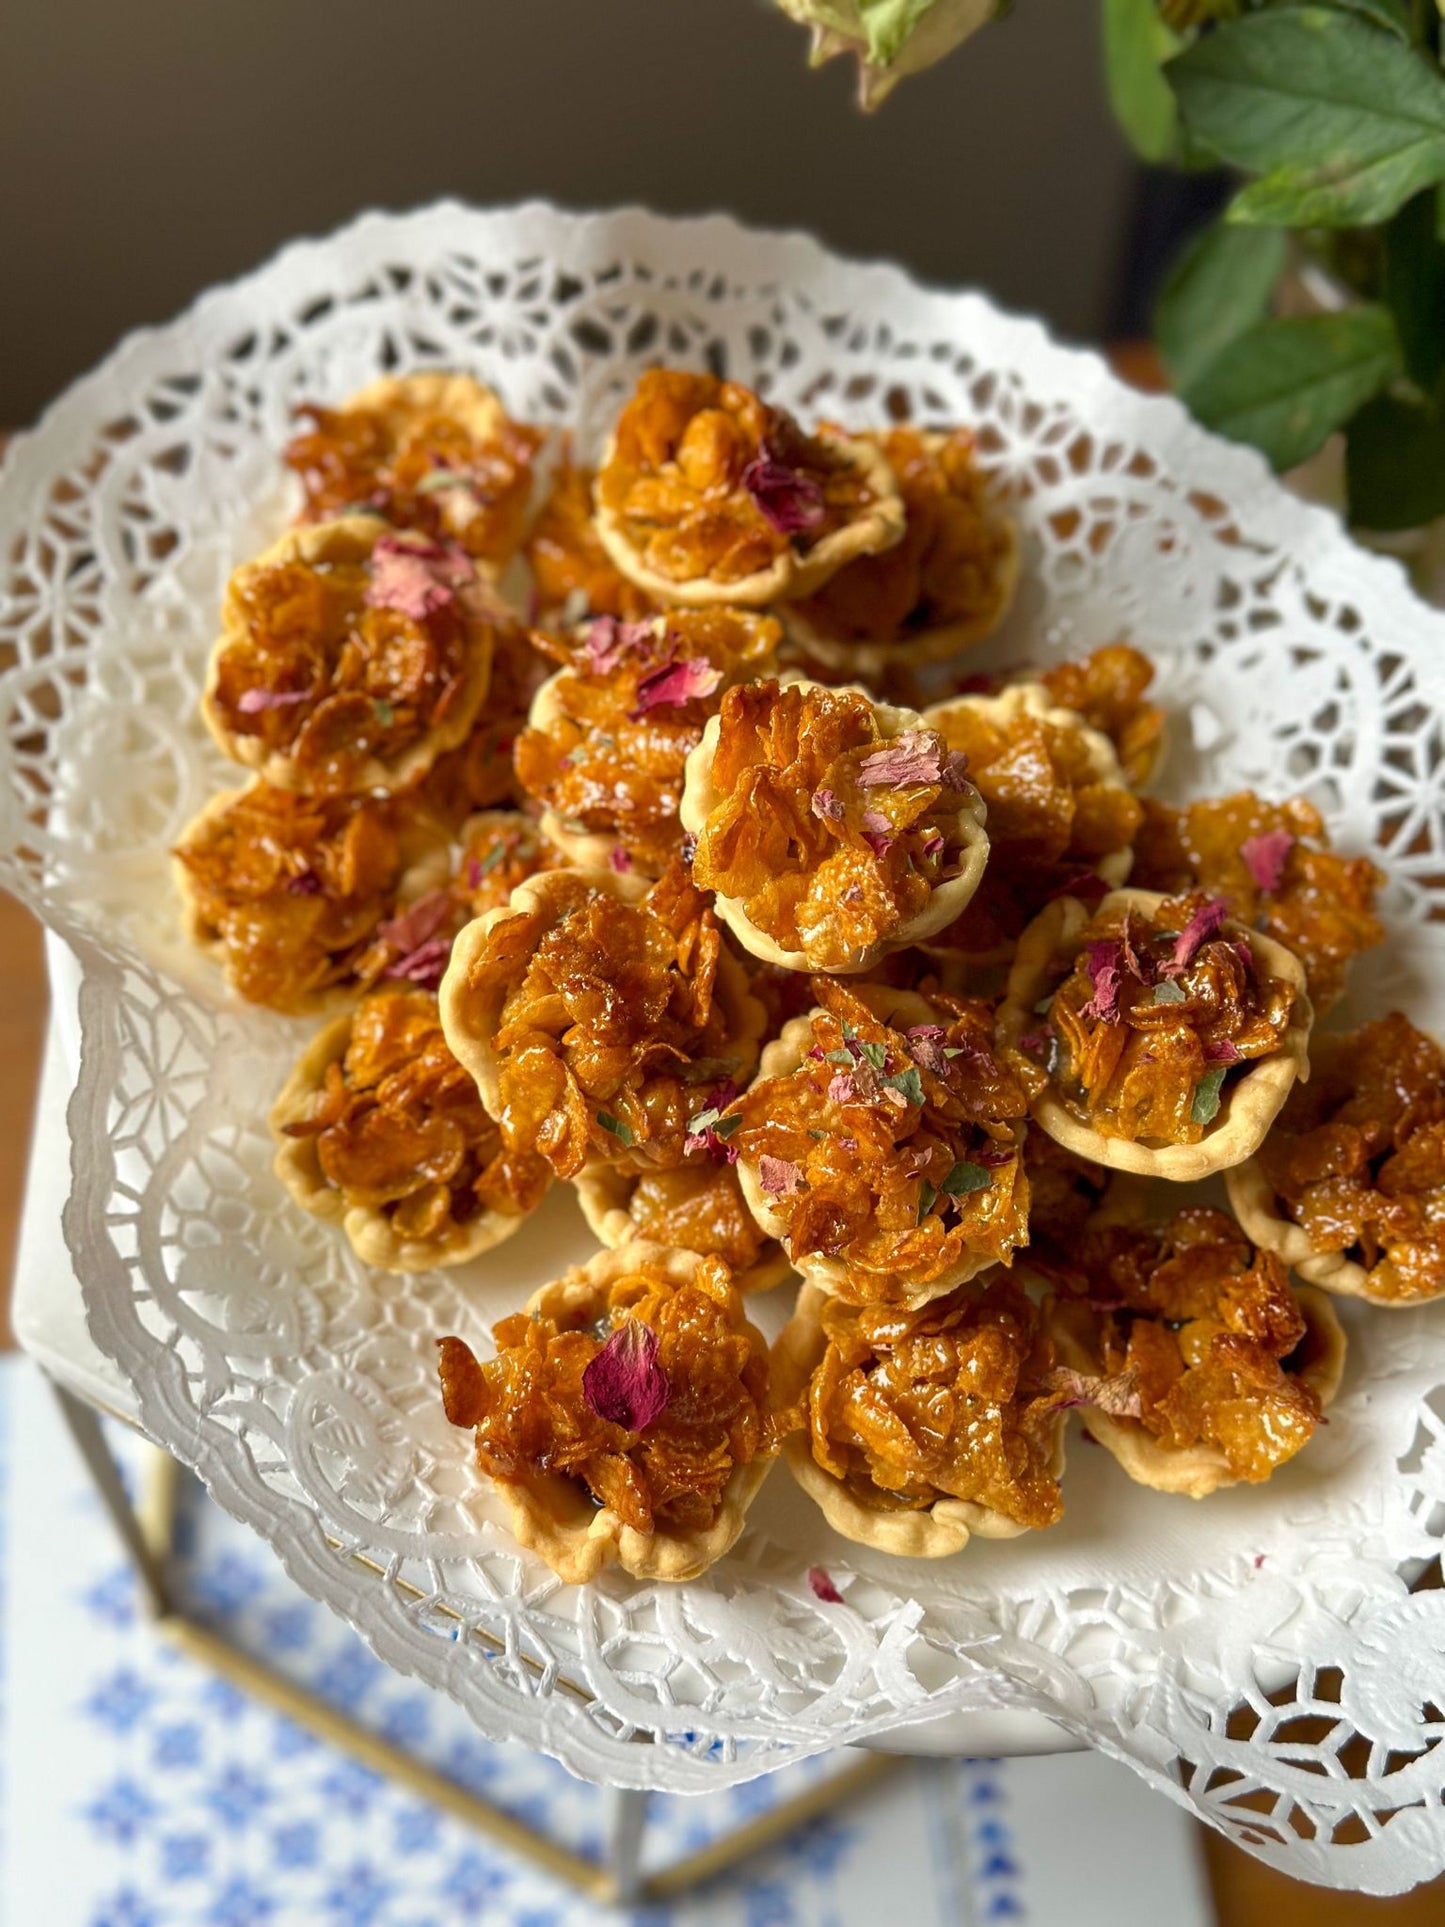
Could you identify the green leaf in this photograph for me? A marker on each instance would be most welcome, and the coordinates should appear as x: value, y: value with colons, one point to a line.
x: 927, y: 1198
x: 964, y: 1178
x: 1205, y: 1107
x: 1395, y: 463
x: 1392, y: 15
x: 1136, y: 45
x: 1415, y: 289
x: 725, y: 1126
x: 1286, y: 385
x: 385, y: 714
x: 1168, y: 993
x: 1343, y: 121
x: 622, y: 1132
x: 1219, y: 287
x: 877, y: 1054
x: 908, y: 1082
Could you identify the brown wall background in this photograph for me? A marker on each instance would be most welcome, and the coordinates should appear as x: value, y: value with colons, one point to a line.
x: 149, y: 147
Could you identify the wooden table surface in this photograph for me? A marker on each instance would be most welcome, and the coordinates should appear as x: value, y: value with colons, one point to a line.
x: 1246, y: 1893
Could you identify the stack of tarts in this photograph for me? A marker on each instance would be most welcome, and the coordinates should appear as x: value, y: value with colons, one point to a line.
x: 719, y: 890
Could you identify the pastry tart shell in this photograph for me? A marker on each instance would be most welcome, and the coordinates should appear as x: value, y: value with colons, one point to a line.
x: 1254, y: 1203
x: 701, y: 796
x: 1248, y: 1107
x: 931, y: 1532
x: 873, y: 529
x: 349, y: 540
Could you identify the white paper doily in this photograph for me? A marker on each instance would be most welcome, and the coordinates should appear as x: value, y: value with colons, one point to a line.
x: 1260, y: 1657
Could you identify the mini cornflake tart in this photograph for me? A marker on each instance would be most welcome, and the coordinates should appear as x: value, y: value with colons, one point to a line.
x: 881, y: 1144
x: 572, y: 574
x: 379, y: 1127
x: 611, y: 732
x: 923, y: 1428
x: 1158, y: 1035
x: 698, y: 1206
x: 433, y: 452
x: 500, y: 849
x: 1061, y: 818
x: 947, y: 584
x: 479, y: 773
x: 350, y: 657
x: 832, y: 828
x: 292, y: 894
x: 707, y: 494
x: 598, y: 1020
x: 626, y: 1418
x: 1108, y: 690
x: 1272, y: 864
x: 1191, y: 1359
x: 1349, y: 1186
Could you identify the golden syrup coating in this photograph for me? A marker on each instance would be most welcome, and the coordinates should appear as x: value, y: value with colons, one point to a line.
x: 611, y: 1034
x: 1108, y: 690
x: 571, y: 571
x: 429, y: 474
x: 706, y: 481
x: 622, y: 718
x: 697, y: 1206
x: 533, y: 1415
x: 1141, y: 1037
x: 1200, y: 1328
x: 399, y: 1126
x: 499, y: 850
x: 908, y: 1407
x: 1052, y: 820
x: 895, y: 1152
x: 946, y: 570
x: 1357, y: 1156
x: 312, y: 667
x: 830, y: 834
x: 1263, y: 858
x: 294, y: 890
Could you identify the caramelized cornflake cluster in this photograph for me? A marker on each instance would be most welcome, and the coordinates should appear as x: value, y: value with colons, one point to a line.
x: 1201, y: 1329
x: 611, y: 1033
x: 293, y: 890
x: 895, y: 1152
x: 572, y: 573
x: 830, y: 833
x: 478, y: 774
x: 949, y: 1401
x: 612, y: 733
x: 418, y: 470
x: 499, y: 850
x: 705, y: 480
x: 696, y: 1206
x: 534, y: 1418
x: 1057, y: 812
x: 1141, y: 1037
x: 1108, y: 690
x: 1265, y: 860
x: 953, y: 564
x: 399, y: 1126
x: 338, y: 665
x: 1357, y: 1157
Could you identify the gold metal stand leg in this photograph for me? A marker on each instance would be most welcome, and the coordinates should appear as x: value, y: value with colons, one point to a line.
x: 147, y: 1532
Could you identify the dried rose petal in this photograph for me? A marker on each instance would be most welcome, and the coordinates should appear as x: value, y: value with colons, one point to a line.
x: 1087, y: 885
x: 1266, y: 855
x: 1036, y: 1042
x: 609, y: 640
x: 1102, y: 962
x: 1118, y: 1395
x: 788, y: 500
x: 417, y: 924
x: 426, y: 965
x: 620, y: 860
x: 954, y: 774
x: 826, y: 805
x: 415, y: 577
x: 841, y: 1088
x: 1220, y: 1050
x: 914, y: 757
x: 779, y: 1177
x: 251, y: 702
x: 823, y: 1587
x: 1203, y: 925
x: 624, y: 1384
x: 675, y: 683
x: 926, y: 1047
x: 305, y: 884
x: 933, y: 845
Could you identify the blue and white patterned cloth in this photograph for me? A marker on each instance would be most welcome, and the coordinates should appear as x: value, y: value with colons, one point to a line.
x: 140, y: 1791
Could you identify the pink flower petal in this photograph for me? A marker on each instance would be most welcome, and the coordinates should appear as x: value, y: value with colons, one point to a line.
x: 420, y: 922
x: 1102, y: 962
x: 915, y: 757
x: 1266, y: 856
x: 675, y: 683
x: 1204, y: 924
x: 823, y: 1587
x: 825, y: 804
x: 841, y: 1088
x: 416, y: 577
x: 1220, y: 1050
x: 934, y: 845
x: 426, y: 965
x: 926, y: 1047
x: 624, y: 1384
x: 251, y: 702
x: 609, y: 640
x: 620, y: 859
x: 305, y: 884
x: 779, y: 1177
x: 877, y: 832
x: 954, y: 774
x: 788, y: 500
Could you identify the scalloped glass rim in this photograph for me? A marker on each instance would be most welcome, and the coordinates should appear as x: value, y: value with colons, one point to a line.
x: 1136, y: 521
